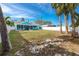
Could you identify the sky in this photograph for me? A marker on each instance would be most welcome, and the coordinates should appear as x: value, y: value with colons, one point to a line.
x: 32, y: 12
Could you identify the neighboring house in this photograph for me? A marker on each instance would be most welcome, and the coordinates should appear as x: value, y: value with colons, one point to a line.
x: 54, y: 28
x: 24, y: 25
x: 49, y: 25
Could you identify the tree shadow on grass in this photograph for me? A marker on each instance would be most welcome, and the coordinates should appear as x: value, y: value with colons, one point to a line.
x: 69, y: 38
x: 56, y: 51
x: 65, y: 37
x: 75, y: 41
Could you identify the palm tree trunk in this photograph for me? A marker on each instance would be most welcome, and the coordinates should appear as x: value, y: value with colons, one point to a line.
x: 3, y: 30
x: 66, y: 23
x: 73, y: 24
x: 60, y: 23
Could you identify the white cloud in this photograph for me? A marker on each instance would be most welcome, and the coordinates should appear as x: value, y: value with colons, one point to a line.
x: 16, y: 9
x: 22, y: 9
x: 17, y: 12
x: 22, y: 16
x: 6, y: 9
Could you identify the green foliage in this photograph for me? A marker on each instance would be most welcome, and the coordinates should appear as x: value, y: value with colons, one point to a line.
x: 8, y: 22
x: 77, y: 23
x: 7, y: 17
x: 66, y: 8
x: 58, y: 8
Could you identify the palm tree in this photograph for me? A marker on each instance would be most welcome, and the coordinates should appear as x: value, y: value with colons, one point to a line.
x: 66, y: 12
x: 66, y: 9
x: 76, y: 19
x: 58, y: 10
x: 71, y: 8
x: 3, y: 30
x: 8, y: 22
x: 66, y: 22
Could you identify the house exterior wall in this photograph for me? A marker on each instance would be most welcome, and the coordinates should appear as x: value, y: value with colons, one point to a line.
x: 55, y: 28
x: 28, y: 27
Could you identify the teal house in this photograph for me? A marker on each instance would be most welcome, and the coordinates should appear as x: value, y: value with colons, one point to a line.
x: 27, y: 26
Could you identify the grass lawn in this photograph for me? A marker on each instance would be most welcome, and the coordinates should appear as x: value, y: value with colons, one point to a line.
x: 38, y: 35
x: 19, y: 39
x: 17, y: 42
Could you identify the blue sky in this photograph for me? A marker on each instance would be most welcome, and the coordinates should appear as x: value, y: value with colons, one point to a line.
x: 32, y: 11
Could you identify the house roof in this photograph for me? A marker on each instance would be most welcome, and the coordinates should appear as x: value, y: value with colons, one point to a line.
x: 27, y: 23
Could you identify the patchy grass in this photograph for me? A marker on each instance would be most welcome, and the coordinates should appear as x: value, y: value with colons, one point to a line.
x: 0, y: 45
x: 17, y: 41
x: 20, y: 38
x: 38, y: 35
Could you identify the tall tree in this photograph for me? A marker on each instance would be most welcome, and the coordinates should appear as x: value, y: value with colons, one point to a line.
x: 66, y: 12
x: 72, y: 8
x: 3, y: 30
x: 66, y: 9
x: 58, y: 12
